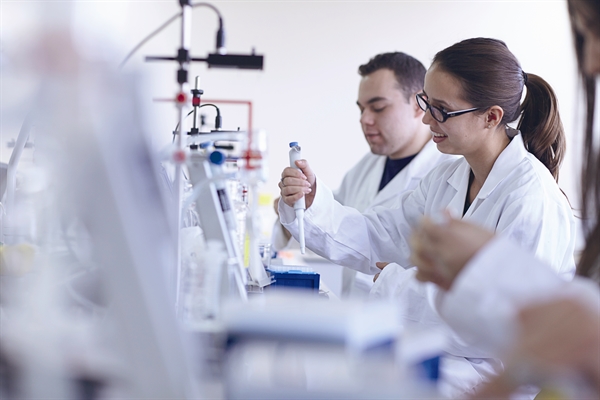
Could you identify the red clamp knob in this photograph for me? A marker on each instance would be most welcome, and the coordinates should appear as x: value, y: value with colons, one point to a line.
x: 181, y: 98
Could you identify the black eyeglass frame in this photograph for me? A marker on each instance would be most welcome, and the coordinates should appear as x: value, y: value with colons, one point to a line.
x: 445, y: 115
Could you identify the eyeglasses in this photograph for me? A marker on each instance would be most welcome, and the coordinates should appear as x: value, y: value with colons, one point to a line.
x: 437, y: 113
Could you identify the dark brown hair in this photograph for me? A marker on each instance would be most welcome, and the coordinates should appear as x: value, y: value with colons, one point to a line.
x: 491, y: 75
x: 589, y: 264
x: 409, y: 71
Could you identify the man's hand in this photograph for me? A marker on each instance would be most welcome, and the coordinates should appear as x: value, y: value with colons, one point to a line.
x: 294, y: 184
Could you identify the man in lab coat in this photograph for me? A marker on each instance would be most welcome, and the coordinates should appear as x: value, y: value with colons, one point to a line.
x: 401, y: 148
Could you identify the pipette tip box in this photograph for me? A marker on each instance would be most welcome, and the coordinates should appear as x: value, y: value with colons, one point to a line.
x: 293, y: 276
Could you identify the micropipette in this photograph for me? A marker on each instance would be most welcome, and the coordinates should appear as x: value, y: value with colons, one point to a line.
x: 299, y: 205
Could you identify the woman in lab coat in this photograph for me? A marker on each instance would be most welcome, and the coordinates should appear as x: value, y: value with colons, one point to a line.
x: 471, y: 92
x: 550, y: 327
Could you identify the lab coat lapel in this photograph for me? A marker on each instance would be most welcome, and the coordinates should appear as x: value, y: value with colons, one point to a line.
x: 506, y: 162
x: 459, y: 181
x: 372, y: 185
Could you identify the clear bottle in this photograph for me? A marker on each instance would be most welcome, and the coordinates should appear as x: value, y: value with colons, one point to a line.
x: 265, y: 220
x: 241, y: 212
x: 215, y: 282
x: 203, y: 278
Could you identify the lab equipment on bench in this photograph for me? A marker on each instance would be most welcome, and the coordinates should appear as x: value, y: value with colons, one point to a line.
x: 216, y: 215
x: 218, y: 218
x: 182, y: 101
x: 299, y: 205
x: 214, y: 176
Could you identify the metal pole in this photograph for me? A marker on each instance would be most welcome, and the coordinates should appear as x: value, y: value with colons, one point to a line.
x: 181, y: 101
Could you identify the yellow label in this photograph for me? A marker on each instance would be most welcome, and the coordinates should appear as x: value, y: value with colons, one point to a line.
x: 246, y: 250
x: 265, y: 199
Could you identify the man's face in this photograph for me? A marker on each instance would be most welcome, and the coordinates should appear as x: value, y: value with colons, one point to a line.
x: 388, y: 120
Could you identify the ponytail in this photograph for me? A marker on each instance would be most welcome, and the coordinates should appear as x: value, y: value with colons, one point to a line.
x: 540, y: 124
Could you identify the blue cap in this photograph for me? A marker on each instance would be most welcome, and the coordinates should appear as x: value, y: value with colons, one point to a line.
x: 292, y: 144
x: 204, y: 145
x: 216, y: 157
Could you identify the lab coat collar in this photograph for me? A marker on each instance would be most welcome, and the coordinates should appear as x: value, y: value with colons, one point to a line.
x: 416, y: 169
x: 506, y: 162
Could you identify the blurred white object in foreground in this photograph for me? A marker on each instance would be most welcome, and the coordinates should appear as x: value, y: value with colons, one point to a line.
x: 102, y: 215
x: 293, y: 345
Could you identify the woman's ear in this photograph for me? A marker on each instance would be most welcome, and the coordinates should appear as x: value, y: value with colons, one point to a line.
x: 493, y: 116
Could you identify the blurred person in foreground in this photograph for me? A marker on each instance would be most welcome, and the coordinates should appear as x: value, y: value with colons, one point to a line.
x: 548, y: 330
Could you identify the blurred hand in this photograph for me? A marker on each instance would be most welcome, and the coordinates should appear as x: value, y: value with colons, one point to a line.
x: 441, y: 250
x: 294, y: 184
x: 276, y: 205
x: 561, y: 333
x: 554, y: 336
x: 381, y: 265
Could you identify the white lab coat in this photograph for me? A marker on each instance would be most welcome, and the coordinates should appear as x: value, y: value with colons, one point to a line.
x: 519, y: 199
x: 360, y: 190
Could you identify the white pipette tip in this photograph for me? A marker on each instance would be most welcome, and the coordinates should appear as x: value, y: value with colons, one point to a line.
x: 300, y: 218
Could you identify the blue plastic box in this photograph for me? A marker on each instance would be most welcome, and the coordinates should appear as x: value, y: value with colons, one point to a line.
x: 296, y: 278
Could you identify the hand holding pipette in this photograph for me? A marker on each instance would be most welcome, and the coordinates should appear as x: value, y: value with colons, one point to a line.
x: 296, y: 184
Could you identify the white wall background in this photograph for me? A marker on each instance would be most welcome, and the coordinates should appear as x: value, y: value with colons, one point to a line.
x: 307, y: 91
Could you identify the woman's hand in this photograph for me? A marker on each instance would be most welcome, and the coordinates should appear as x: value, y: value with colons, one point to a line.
x: 562, y: 333
x: 441, y: 250
x: 294, y: 184
x: 381, y: 265
x: 555, y: 336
